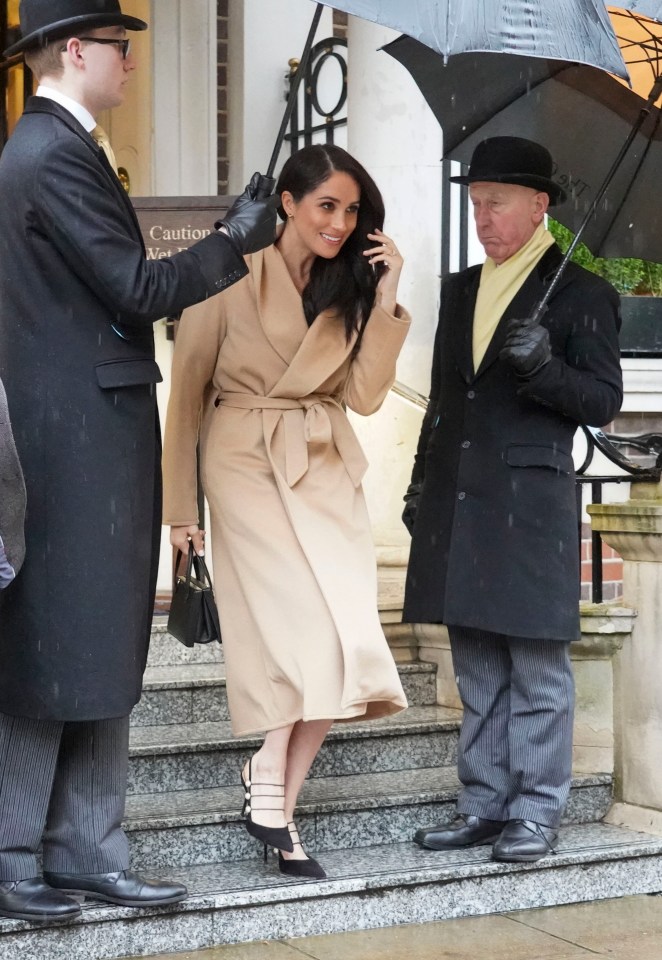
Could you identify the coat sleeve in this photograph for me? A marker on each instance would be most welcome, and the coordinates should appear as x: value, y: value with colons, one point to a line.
x: 78, y: 210
x: 372, y: 370
x: 199, y: 337
x: 583, y: 380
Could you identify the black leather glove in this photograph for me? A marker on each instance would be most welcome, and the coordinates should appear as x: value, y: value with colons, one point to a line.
x: 251, y: 220
x: 526, y: 348
x: 411, y: 499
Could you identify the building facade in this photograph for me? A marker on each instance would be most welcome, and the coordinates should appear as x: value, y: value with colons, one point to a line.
x: 202, y: 114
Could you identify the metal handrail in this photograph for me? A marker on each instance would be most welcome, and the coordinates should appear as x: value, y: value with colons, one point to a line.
x: 608, y: 445
x: 410, y: 395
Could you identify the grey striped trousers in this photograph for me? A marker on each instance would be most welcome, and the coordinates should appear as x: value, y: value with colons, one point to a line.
x: 63, y: 784
x: 515, y: 750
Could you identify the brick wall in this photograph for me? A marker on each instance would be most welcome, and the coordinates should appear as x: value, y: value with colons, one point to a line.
x: 222, y: 92
x: 633, y: 424
x: 339, y: 24
x: 339, y: 30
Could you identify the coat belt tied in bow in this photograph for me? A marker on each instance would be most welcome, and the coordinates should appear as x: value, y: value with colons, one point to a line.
x: 315, y: 419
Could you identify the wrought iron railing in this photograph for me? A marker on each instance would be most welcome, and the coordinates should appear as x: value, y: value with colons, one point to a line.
x: 610, y: 446
x: 317, y: 118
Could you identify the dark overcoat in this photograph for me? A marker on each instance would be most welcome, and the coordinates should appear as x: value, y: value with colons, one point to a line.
x: 12, y: 499
x: 77, y: 304
x: 495, y: 542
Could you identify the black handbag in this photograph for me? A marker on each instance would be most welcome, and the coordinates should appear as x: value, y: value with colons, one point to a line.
x: 193, y: 615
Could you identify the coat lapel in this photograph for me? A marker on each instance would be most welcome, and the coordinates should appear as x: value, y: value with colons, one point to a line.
x: 45, y: 105
x: 462, y: 311
x: 278, y: 303
x: 311, y: 354
x: 323, y: 350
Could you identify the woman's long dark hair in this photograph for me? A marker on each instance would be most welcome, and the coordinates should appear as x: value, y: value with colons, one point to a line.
x: 347, y: 282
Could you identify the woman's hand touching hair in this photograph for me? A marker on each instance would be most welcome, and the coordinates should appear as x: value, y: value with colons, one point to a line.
x: 387, y: 253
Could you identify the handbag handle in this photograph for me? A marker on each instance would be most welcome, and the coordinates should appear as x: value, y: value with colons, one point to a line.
x: 193, y: 560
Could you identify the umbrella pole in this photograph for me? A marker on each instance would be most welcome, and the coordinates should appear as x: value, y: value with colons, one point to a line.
x: 655, y: 93
x: 294, y: 90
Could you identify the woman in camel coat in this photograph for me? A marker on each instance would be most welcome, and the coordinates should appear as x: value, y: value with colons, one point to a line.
x: 261, y: 375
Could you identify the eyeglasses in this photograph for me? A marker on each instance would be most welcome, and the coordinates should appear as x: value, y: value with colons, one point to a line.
x: 124, y: 45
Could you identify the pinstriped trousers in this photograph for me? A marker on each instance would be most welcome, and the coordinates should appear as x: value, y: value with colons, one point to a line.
x: 515, y: 749
x: 62, y: 785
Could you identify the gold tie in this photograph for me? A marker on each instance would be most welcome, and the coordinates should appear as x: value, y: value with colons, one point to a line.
x: 101, y: 137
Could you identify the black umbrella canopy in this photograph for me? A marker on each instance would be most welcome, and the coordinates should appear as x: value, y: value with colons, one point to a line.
x: 577, y: 30
x: 571, y: 30
x: 582, y: 115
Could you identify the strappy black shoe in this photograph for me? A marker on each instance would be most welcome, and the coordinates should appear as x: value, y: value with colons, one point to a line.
x: 278, y: 837
x: 308, y: 869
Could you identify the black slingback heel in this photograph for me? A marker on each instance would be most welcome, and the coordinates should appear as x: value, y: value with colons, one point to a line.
x: 308, y: 869
x: 278, y: 837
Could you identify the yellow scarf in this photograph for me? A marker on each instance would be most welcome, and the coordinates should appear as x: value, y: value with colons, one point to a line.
x: 498, y: 286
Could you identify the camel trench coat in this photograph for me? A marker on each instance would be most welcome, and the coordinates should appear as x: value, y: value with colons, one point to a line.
x: 295, y: 572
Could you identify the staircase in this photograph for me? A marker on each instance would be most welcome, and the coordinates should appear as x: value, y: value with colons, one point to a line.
x: 371, y: 786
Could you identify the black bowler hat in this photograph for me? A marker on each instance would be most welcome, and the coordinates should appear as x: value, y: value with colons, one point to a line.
x: 46, y: 20
x: 514, y: 160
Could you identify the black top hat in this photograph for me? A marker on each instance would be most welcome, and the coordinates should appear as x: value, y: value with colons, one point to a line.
x: 46, y: 20
x: 514, y: 160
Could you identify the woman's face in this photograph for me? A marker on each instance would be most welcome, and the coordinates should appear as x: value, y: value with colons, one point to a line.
x: 324, y: 218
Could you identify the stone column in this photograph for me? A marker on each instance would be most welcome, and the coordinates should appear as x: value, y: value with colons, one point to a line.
x: 634, y: 530
x: 394, y: 134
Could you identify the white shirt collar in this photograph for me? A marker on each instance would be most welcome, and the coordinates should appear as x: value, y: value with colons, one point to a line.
x: 83, y: 116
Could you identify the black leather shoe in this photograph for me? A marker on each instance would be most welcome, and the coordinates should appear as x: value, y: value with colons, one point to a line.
x: 525, y: 841
x: 35, y: 900
x: 124, y: 888
x: 464, y: 831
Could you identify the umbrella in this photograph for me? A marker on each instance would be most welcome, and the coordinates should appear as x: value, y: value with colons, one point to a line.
x: 580, y: 114
x: 575, y: 30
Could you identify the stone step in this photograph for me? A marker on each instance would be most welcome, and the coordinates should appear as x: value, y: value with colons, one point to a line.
x: 164, y: 650
x: 202, y: 826
x: 194, y: 756
x: 366, y: 888
x: 196, y: 692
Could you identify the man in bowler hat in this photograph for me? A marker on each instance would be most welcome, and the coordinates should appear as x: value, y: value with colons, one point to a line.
x: 77, y: 302
x: 491, y: 505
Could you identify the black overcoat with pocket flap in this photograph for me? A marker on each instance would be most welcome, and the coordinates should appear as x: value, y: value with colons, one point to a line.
x: 495, y: 542
x: 75, y: 625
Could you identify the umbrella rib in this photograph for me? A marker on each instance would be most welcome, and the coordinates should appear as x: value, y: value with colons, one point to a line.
x: 643, y: 114
x: 633, y: 178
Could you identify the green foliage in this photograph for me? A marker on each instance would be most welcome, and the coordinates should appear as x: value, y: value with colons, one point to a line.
x: 639, y: 277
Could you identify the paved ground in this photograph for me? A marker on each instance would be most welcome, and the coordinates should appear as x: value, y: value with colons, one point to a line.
x: 626, y: 929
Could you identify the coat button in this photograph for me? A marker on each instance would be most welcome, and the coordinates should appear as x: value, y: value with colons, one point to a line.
x: 471, y: 394
x: 466, y: 444
x: 461, y: 496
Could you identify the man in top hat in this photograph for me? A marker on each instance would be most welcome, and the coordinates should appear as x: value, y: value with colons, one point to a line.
x: 491, y: 505
x: 77, y: 304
